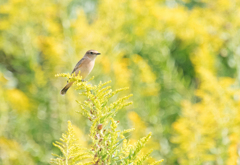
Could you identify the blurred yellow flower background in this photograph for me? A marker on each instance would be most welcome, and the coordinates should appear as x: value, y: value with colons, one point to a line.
x: 180, y: 59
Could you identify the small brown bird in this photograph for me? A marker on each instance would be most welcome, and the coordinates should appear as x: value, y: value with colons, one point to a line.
x: 85, y: 66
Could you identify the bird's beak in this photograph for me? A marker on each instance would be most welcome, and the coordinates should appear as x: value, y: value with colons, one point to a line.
x: 98, y: 53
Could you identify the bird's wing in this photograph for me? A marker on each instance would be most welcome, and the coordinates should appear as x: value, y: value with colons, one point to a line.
x: 78, y: 65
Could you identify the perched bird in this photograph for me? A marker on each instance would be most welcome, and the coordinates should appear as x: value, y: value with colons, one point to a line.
x: 85, y: 66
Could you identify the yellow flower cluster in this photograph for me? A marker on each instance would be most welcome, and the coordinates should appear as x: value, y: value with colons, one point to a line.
x: 106, y: 139
x: 208, y: 129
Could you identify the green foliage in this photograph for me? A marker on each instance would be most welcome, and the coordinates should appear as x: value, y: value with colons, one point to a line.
x: 109, y: 145
x: 72, y: 152
x: 162, y: 50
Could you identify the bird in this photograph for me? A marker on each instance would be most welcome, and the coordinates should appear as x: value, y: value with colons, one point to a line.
x: 84, y: 66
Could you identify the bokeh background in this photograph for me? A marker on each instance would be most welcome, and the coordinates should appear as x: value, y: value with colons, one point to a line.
x: 180, y: 58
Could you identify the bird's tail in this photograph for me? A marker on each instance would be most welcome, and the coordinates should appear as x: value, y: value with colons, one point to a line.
x: 64, y: 90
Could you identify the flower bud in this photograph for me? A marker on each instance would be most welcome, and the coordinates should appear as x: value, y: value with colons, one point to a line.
x: 99, y: 126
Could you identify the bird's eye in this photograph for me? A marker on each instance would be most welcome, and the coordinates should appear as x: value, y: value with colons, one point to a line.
x: 91, y: 52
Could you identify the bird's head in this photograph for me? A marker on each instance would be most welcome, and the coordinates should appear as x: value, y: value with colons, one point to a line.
x: 92, y: 54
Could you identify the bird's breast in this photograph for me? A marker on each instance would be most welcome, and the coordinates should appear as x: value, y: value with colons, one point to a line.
x: 86, y: 68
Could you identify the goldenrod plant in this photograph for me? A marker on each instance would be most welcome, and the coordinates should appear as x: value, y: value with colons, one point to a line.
x: 72, y: 152
x: 109, y: 145
x: 157, y: 48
